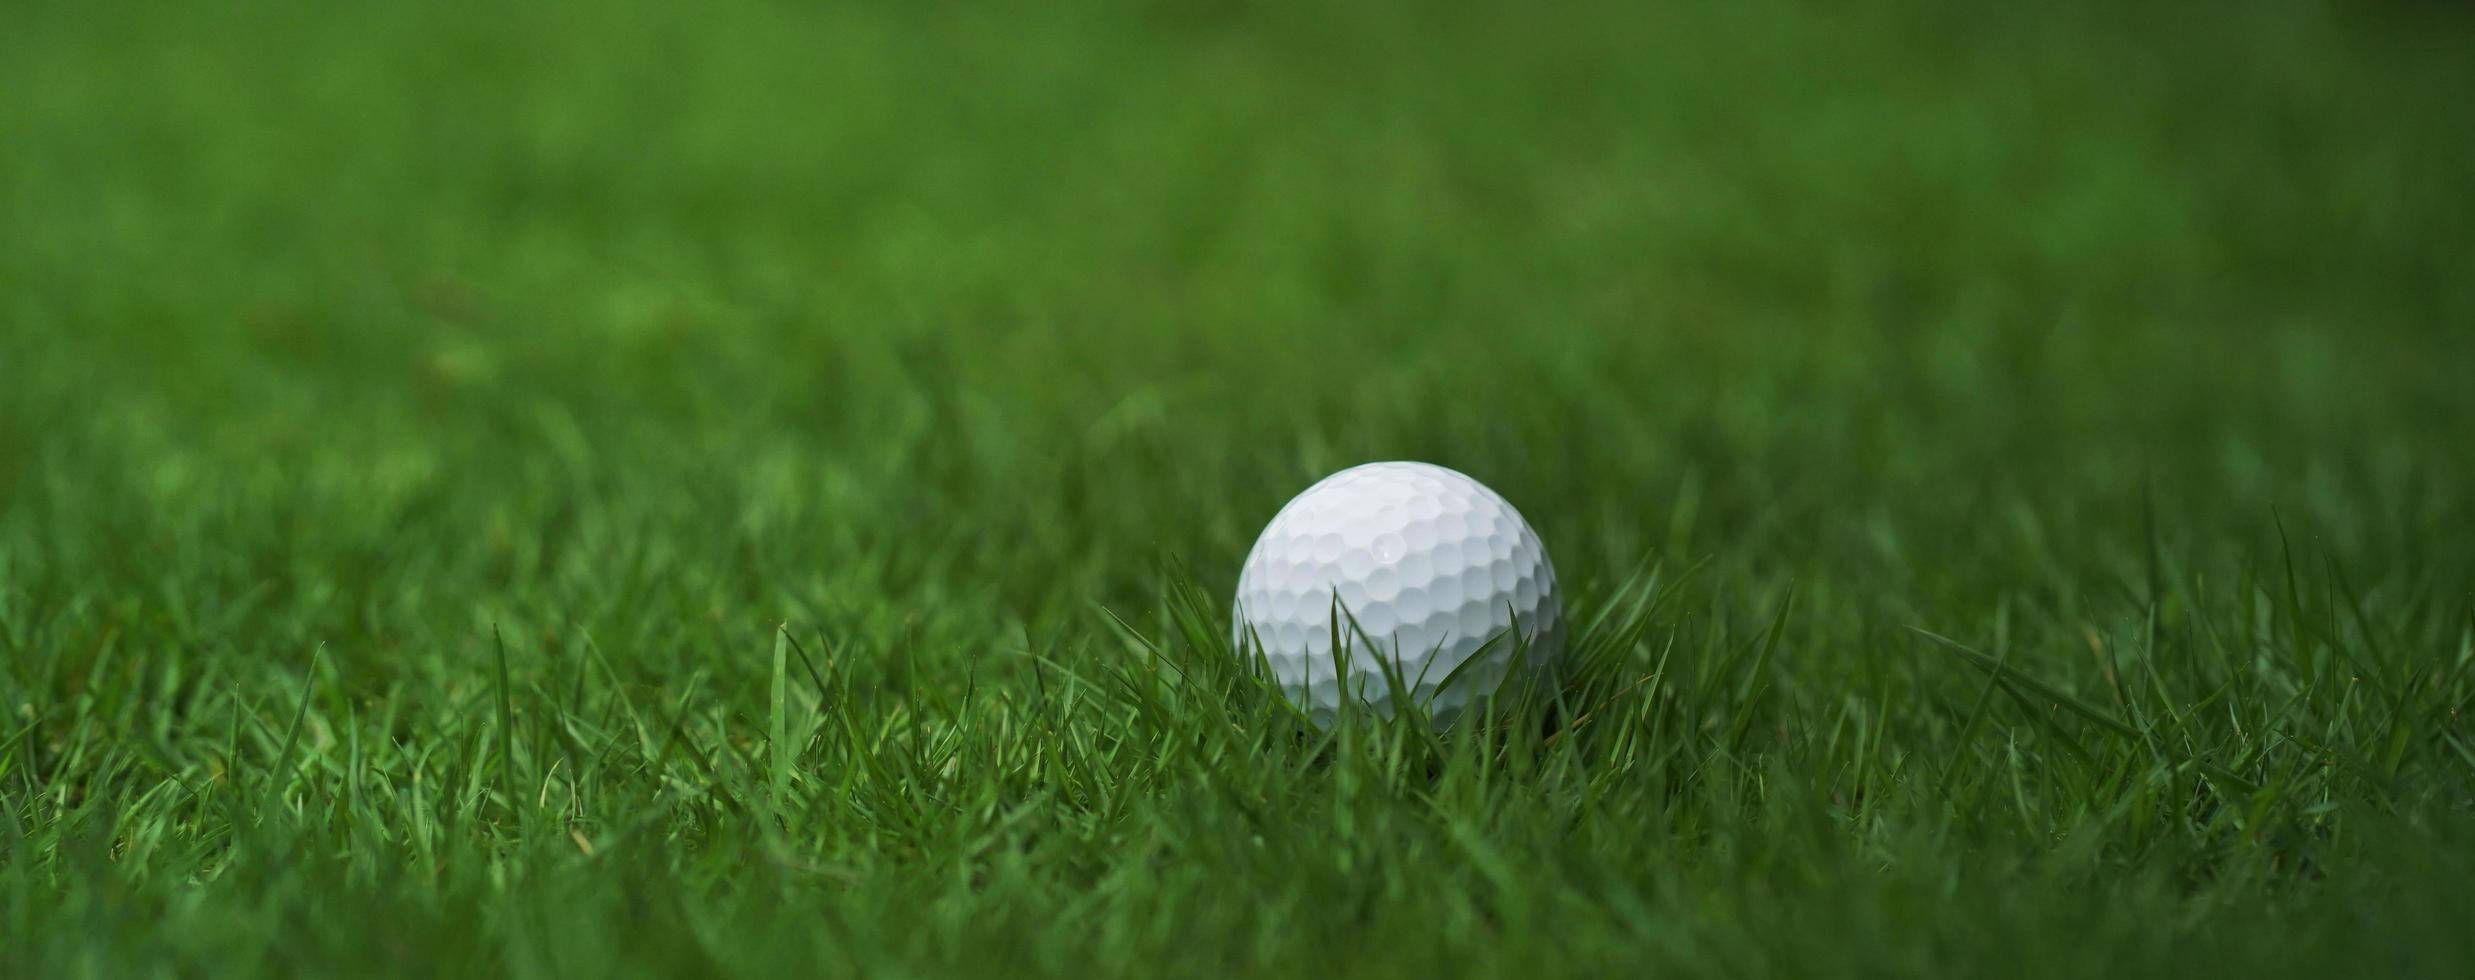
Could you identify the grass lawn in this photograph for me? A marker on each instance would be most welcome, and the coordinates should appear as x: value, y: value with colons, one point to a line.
x: 754, y: 489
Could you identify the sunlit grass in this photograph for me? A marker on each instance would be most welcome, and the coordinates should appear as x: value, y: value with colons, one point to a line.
x: 747, y: 491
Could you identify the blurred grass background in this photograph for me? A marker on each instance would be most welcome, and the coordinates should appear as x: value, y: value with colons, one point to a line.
x: 933, y: 327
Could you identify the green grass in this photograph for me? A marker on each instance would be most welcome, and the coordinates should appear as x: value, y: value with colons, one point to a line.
x: 650, y: 490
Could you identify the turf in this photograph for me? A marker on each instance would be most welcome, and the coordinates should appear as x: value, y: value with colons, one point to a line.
x: 746, y: 489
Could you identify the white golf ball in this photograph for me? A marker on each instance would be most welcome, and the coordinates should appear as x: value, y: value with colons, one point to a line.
x: 1432, y: 566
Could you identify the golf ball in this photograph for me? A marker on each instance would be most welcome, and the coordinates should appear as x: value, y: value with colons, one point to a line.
x: 1431, y: 565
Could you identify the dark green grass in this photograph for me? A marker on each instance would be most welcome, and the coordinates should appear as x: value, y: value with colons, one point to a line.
x: 614, y: 490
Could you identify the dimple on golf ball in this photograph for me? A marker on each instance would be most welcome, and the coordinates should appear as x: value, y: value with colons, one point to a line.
x: 1431, y: 565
